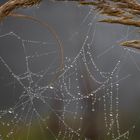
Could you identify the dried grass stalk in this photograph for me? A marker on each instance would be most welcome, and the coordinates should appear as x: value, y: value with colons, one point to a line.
x: 127, y: 12
x: 123, y: 21
x: 8, y: 7
x: 131, y: 43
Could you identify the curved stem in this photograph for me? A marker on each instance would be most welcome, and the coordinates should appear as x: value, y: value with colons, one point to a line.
x: 53, y: 33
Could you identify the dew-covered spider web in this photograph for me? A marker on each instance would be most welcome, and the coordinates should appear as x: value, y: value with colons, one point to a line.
x: 95, y: 96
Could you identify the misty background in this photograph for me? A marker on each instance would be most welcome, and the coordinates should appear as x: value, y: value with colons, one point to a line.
x: 69, y: 21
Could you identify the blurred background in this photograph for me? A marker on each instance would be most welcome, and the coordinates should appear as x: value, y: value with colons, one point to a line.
x: 94, y: 97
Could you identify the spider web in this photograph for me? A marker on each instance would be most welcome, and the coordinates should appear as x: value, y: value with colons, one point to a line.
x: 90, y: 97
